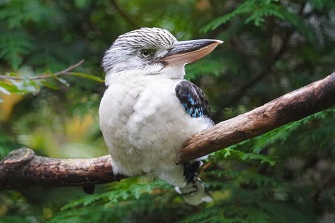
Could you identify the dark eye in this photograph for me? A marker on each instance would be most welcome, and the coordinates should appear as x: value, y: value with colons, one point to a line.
x: 146, y: 53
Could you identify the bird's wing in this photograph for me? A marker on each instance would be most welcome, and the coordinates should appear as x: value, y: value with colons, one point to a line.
x: 193, y: 99
x: 196, y: 105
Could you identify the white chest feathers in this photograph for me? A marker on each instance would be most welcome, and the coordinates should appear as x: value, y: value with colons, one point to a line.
x: 144, y: 124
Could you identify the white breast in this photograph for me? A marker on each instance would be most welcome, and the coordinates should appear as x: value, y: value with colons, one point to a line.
x: 144, y: 125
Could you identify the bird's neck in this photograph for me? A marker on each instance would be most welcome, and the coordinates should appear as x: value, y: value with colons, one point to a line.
x: 175, y: 72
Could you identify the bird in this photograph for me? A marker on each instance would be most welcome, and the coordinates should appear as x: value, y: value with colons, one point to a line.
x: 149, y: 110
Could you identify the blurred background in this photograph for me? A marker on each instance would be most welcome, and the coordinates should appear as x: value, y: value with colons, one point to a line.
x: 270, y: 47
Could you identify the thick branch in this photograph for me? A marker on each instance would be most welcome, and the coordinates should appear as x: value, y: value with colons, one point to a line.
x: 290, y: 107
x: 22, y: 169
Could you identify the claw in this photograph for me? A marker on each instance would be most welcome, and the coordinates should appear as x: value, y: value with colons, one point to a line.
x: 190, y: 170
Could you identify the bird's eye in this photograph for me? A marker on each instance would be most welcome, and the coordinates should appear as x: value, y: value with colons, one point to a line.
x: 146, y: 53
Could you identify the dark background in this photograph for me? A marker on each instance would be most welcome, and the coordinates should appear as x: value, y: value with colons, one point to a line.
x: 270, y: 48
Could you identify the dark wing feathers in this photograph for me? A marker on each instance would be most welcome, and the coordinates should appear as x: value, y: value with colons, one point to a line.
x: 190, y: 170
x: 193, y: 99
x: 196, y: 105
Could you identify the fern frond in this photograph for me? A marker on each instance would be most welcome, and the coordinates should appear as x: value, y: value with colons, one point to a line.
x: 13, y: 46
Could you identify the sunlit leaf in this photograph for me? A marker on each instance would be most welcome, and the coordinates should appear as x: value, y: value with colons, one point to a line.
x: 87, y: 76
x: 62, y: 80
x: 4, y: 90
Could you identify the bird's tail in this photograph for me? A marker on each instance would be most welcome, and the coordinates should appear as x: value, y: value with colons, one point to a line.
x: 195, y: 192
x: 184, y: 178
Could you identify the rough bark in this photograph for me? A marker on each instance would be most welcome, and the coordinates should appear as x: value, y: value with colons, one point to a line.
x: 22, y: 168
x: 290, y: 107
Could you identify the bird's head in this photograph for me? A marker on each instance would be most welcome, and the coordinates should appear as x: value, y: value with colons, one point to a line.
x: 153, y: 51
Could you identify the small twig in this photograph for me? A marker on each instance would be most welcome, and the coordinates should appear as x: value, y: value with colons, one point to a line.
x: 204, y: 168
x: 45, y: 75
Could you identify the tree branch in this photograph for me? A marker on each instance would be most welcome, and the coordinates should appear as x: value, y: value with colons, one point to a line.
x: 22, y: 168
x: 290, y: 107
x: 45, y: 75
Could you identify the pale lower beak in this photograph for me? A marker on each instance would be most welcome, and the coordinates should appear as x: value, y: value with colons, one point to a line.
x: 189, y: 51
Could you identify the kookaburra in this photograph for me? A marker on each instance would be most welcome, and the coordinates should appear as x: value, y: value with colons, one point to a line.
x: 149, y: 110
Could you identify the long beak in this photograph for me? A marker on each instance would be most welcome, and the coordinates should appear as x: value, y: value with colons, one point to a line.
x: 189, y: 51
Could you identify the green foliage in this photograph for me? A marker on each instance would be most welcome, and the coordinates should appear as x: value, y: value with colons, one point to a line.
x: 270, y: 47
x: 13, y: 45
x: 257, y: 12
x: 32, y: 85
x: 130, y: 198
x: 253, y: 11
x: 276, y: 136
x: 125, y: 190
x: 204, y: 67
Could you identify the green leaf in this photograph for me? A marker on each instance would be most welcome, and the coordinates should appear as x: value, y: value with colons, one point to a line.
x: 21, y: 86
x: 50, y: 85
x: 4, y: 90
x: 232, y: 153
x: 62, y: 80
x: 87, y: 76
